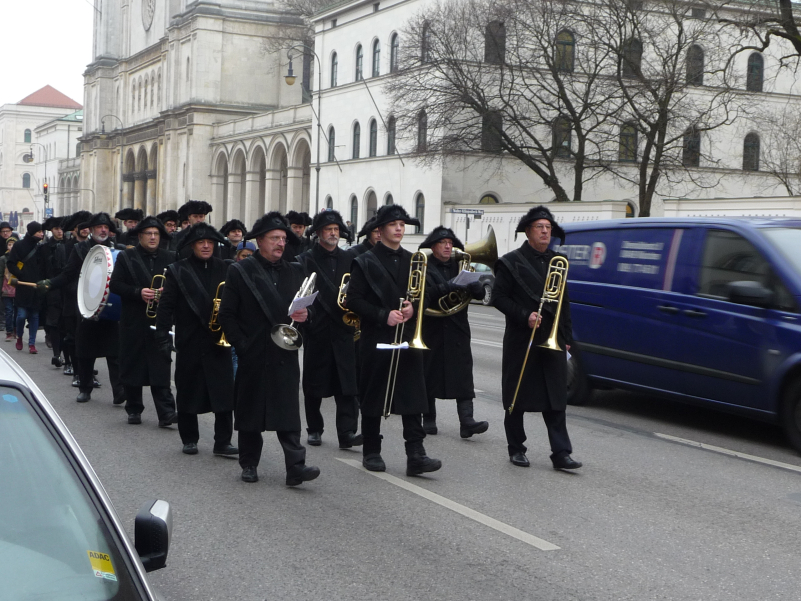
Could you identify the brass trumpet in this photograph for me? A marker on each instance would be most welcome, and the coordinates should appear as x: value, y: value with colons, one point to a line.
x: 554, y: 291
x: 155, y: 284
x: 214, y: 324
x: 287, y: 336
x: 350, y: 318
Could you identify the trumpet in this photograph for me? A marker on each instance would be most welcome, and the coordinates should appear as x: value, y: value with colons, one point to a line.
x: 287, y: 336
x: 214, y: 324
x: 156, y: 284
x: 350, y: 318
x: 415, y: 292
x: 554, y: 292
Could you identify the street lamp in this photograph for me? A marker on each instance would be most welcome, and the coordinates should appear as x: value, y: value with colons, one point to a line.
x: 103, y: 133
x: 45, y: 185
x: 290, y: 80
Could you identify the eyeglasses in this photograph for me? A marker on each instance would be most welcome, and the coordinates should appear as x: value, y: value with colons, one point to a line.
x: 152, y: 234
x: 277, y: 239
x: 543, y: 226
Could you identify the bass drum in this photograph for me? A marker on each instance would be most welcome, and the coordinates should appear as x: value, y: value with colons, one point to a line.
x: 95, y: 300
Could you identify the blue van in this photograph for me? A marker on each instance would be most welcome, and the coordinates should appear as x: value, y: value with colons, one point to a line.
x: 704, y: 310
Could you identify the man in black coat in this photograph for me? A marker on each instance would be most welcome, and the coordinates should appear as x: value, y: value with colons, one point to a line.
x: 130, y: 218
x: 25, y: 264
x: 258, y: 293
x: 195, y: 211
x: 300, y: 243
x: 93, y: 338
x: 234, y: 232
x: 520, y: 278
x: 204, y: 372
x: 378, y: 284
x: 140, y: 364
x: 371, y: 236
x: 170, y: 219
x: 54, y: 259
x: 69, y: 304
x: 329, y: 356
x: 449, y: 360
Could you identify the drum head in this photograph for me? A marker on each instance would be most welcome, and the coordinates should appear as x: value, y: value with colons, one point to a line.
x: 93, y: 285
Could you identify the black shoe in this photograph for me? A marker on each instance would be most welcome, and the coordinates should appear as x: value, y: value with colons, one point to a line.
x: 349, y: 440
x: 228, y: 450
x: 84, y: 397
x: 68, y: 369
x: 421, y: 464
x: 56, y: 361
x: 135, y: 419
x: 190, y: 448
x: 374, y: 463
x: 95, y: 383
x: 304, y: 474
x: 315, y: 439
x: 76, y: 381
x: 467, y: 430
x: 169, y: 421
x: 430, y: 427
x: 519, y: 459
x: 565, y: 462
x: 249, y: 474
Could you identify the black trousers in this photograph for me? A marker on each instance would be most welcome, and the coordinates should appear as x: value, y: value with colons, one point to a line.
x: 70, y: 324
x: 85, y: 368
x: 162, y: 399
x: 223, y: 427
x: 413, y: 434
x: 251, y: 443
x: 347, y: 414
x: 54, y: 335
x: 556, y: 423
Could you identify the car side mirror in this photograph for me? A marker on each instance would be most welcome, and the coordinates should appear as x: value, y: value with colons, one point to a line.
x: 152, y: 533
x: 750, y: 293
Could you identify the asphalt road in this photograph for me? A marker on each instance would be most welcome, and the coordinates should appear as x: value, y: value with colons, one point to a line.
x: 646, y: 518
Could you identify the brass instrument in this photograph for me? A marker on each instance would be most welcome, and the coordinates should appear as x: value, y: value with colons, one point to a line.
x: 156, y: 284
x: 415, y: 292
x: 214, y: 324
x: 554, y: 291
x: 350, y: 318
x: 484, y: 251
x: 287, y: 336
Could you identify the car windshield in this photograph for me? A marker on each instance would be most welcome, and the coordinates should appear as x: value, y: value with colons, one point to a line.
x: 54, y: 544
x: 788, y: 242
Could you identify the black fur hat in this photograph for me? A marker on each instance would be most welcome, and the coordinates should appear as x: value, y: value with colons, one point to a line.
x: 441, y: 233
x: 101, y: 219
x: 76, y: 219
x: 171, y: 215
x: 269, y: 222
x: 234, y: 224
x: 126, y: 214
x: 295, y: 218
x: 52, y: 222
x: 201, y: 231
x: 390, y: 213
x: 148, y: 222
x: 195, y: 207
x: 330, y: 217
x: 536, y: 214
x: 367, y: 228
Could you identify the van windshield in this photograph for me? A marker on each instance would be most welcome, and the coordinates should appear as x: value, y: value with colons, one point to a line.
x: 788, y: 241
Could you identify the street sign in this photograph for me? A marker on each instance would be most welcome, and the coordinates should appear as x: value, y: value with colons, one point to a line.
x: 48, y: 212
x: 468, y: 211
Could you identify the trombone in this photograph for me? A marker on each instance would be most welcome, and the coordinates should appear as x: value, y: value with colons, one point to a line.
x: 554, y: 291
x: 156, y: 284
x: 214, y: 324
x: 415, y: 292
x: 349, y: 318
x: 287, y: 336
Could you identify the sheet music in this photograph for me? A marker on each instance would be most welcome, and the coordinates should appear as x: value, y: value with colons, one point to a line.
x: 383, y: 346
x: 466, y: 277
x: 302, y: 303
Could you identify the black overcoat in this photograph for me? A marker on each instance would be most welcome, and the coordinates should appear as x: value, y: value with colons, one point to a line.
x: 140, y: 365
x: 257, y: 296
x: 25, y: 264
x: 204, y: 372
x: 449, y: 360
x: 329, y: 354
x: 69, y: 291
x: 54, y: 259
x: 379, y: 279
x: 519, y: 281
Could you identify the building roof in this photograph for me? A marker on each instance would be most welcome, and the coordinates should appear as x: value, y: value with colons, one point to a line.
x: 50, y: 97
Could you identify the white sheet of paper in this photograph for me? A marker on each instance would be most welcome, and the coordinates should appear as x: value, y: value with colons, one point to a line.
x: 383, y: 346
x: 466, y: 277
x: 302, y: 303
x: 568, y: 355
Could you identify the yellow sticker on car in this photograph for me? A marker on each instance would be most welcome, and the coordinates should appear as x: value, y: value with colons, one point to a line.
x: 101, y: 565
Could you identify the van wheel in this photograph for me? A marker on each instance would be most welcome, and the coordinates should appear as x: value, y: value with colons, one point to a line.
x: 487, y: 295
x: 791, y: 413
x: 579, y: 390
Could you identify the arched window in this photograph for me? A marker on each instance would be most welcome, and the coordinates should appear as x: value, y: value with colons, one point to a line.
x: 561, y: 137
x: 394, y: 47
x: 631, y: 58
x: 373, y: 138
x: 751, y: 152
x: 78, y: 149
x: 391, y: 136
x: 691, y: 148
x: 420, y: 210
x: 159, y: 89
x: 756, y: 73
x: 359, y: 63
x: 145, y: 94
x: 564, y: 54
x: 133, y: 97
x: 26, y: 180
x: 152, y: 89
x: 27, y: 136
x: 389, y: 200
x: 334, y: 67
x: 627, y: 148
x: 425, y: 43
x: 188, y: 62
x: 695, y: 66
x: 491, y: 129
x: 139, y: 95
x: 354, y: 212
x: 495, y: 43
x: 376, y: 58
x: 332, y: 142
x: 488, y: 199
x: 329, y: 202
x: 422, y: 131
x: 357, y: 140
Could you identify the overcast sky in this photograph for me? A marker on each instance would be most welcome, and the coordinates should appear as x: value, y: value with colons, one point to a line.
x: 44, y: 42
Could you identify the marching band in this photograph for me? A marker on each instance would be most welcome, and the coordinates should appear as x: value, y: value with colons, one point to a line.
x: 384, y: 330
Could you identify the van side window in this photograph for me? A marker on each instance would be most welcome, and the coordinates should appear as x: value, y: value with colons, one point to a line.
x: 728, y: 257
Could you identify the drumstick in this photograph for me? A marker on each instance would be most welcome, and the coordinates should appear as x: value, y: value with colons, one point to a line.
x: 15, y: 282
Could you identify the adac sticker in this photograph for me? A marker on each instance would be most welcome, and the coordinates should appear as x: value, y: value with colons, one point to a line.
x: 101, y: 565
x: 597, y: 255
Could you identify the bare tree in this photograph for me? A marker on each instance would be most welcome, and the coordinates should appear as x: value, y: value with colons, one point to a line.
x: 777, y: 150
x: 760, y: 22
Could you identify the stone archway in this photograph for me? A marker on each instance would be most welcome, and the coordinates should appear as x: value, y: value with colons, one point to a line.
x: 219, y: 182
x: 129, y: 184
x: 299, y: 176
x: 257, y: 185
x: 277, y: 180
x: 140, y: 180
x: 237, y: 179
x: 152, y: 181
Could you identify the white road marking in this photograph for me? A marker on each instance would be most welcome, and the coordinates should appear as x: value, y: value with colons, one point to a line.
x: 541, y: 544
x: 488, y: 343
x: 729, y: 452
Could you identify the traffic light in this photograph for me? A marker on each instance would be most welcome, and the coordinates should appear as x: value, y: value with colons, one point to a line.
x: 44, y: 189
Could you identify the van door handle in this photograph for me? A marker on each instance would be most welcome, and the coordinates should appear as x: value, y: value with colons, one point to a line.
x: 694, y: 313
x: 668, y: 309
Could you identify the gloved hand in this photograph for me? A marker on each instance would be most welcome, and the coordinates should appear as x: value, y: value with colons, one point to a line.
x: 43, y: 285
x: 476, y: 290
x: 164, y: 346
